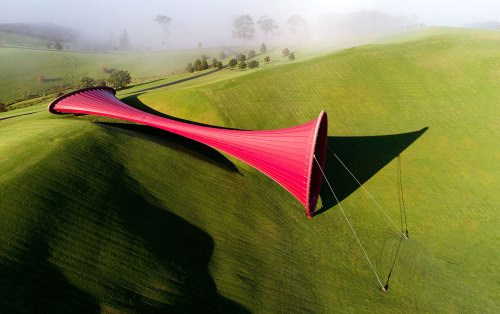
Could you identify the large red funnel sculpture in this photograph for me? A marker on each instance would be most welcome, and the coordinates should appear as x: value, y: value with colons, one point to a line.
x: 285, y: 155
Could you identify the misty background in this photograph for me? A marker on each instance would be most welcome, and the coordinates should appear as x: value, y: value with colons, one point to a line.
x: 99, y: 25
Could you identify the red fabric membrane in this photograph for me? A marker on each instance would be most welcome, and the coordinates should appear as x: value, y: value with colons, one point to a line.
x: 285, y: 155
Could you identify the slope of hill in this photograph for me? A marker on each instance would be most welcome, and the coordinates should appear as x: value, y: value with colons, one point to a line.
x: 19, y: 40
x: 101, y: 215
x: 43, y: 31
x: 20, y: 68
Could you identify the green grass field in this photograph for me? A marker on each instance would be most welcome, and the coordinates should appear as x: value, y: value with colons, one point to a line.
x: 97, y: 215
x: 20, y: 68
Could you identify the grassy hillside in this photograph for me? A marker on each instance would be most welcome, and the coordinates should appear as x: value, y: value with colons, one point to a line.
x: 18, y: 40
x: 20, y: 68
x: 98, y: 215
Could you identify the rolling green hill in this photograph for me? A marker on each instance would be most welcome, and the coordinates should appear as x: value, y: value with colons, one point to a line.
x: 18, y: 40
x: 20, y: 68
x: 101, y: 215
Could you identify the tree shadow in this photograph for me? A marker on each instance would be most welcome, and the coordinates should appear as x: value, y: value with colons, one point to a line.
x: 140, y: 84
x: 177, y: 142
x: 19, y: 115
x: 47, y: 80
x: 179, y: 81
x: 364, y: 156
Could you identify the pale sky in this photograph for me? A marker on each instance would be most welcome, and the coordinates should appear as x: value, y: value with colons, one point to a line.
x: 191, y: 18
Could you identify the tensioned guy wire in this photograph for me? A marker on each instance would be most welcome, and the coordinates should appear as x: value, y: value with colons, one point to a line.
x: 352, y: 229
x: 380, y: 207
x: 402, y: 205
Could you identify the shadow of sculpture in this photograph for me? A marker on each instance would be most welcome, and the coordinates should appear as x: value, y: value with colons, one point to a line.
x: 177, y: 142
x: 364, y: 156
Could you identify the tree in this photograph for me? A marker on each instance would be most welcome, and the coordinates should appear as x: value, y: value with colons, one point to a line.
x: 285, y: 52
x: 251, y: 54
x: 100, y: 82
x: 298, y: 26
x: 124, y: 42
x: 243, y: 29
x: 2, y: 107
x: 263, y: 48
x: 241, y: 57
x: 267, y: 59
x: 164, y: 22
x: 190, y: 68
x: 85, y: 82
x: 222, y: 55
x: 201, y: 65
x: 111, y: 40
x: 253, y: 64
x: 242, y: 65
x: 197, y: 64
x: 214, y: 63
x: 291, y: 56
x: 58, y: 45
x: 219, y: 65
x: 233, y: 62
x: 119, y: 78
x: 267, y: 25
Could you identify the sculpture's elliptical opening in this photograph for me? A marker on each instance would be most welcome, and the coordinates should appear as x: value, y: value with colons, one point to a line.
x: 285, y: 155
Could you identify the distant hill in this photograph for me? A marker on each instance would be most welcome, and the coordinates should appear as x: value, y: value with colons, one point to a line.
x: 491, y: 25
x: 42, y: 31
x: 361, y: 23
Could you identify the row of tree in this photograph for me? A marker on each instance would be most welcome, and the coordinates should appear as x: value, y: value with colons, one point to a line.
x: 201, y: 63
x: 117, y: 79
x: 244, y: 27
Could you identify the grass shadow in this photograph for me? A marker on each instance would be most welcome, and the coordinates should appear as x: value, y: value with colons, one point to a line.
x: 364, y: 156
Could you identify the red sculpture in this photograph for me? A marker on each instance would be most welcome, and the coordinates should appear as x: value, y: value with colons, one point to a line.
x: 285, y: 155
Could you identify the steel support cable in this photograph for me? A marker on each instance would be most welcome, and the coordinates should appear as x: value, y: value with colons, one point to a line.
x: 352, y: 229
x: 368, y: 193
x: 401, y: 197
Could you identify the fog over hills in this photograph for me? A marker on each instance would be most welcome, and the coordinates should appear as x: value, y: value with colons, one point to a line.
x: 192, y: 24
